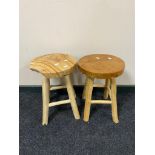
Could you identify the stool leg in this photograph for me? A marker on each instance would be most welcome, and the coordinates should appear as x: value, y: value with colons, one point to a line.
x: 85, y: 90
x: 71, y: 94
x: 89, y: 89
x: 107, y: 85
x: 45, y: 97
x: 114, y: 101
x: 74, y: 93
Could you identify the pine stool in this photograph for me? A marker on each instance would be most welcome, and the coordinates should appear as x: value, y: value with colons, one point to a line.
x: 101, y: 66
x: 55, y: 66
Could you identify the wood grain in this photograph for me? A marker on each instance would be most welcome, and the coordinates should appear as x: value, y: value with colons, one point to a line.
x: 53, y: 65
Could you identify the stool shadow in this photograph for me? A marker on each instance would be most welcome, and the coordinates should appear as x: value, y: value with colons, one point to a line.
x: 97, y: 95
x: 62, y: 94
x: 53, y: 114
x: 105, y: 111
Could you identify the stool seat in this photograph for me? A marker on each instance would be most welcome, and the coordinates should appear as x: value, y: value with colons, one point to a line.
x: 53, y: 65
x: 101, y: 66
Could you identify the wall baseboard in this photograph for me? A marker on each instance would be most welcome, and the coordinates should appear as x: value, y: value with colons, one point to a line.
x: 37, y: 88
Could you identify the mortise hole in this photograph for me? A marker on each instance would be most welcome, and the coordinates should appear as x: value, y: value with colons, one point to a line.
x: 97, y: 58
x: 109, y: 58
x: 56, y: 64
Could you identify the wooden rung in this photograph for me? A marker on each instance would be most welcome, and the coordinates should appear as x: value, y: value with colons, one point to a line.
x: 99, y: 85
x: 101, y: 102
x: 59, y: 103
x: 57, y: 87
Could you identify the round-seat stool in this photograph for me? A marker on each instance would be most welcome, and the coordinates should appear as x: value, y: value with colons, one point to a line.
x: 55, y: 66
x: 101, y: 66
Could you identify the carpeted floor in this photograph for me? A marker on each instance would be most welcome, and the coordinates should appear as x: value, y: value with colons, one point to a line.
x: 66, y: 136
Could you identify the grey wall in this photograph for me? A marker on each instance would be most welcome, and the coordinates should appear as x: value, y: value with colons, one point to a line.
x: 79, y: 28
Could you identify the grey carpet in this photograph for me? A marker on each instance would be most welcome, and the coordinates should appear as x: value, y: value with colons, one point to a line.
x: 66, y: 136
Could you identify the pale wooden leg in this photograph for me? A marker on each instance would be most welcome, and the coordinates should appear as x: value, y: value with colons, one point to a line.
x: 85, y: 90
x: 114, y: 101
x: 89, y: 89
x: 106, y: 91
x: 74, y: 93
x: 71, y: 94
x: 45, y: 97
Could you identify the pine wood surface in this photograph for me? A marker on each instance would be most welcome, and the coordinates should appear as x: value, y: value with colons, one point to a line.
x: 101, y: 66
x: 53, y: 65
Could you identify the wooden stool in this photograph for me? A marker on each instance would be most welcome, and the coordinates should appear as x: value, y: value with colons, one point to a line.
x: 55, y: 66
x: 101, y: 66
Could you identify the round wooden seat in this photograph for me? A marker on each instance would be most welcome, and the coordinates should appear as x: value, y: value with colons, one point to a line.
x: 53, y: 65
x: 101, y: 66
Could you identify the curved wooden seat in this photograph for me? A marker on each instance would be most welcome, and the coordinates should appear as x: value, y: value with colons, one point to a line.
x: 53, y: 65
x: 101, y: 66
